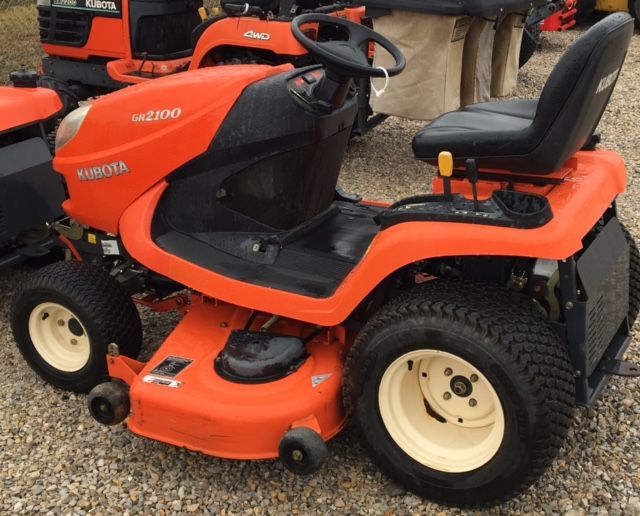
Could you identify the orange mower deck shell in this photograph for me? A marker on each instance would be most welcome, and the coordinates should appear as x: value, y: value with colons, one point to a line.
x: 114, y: 159
x: 209, y: 414
x: 26, y: 106
x: 587, y: 190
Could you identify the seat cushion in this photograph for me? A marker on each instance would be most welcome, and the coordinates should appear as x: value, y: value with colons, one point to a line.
x: 483, y: 131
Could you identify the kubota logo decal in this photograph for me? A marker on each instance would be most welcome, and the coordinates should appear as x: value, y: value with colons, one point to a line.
x: 262, y: 36
x: 110, y: 8
x: 106, y: 171
x: 607, y: 81
x: 105, y: 5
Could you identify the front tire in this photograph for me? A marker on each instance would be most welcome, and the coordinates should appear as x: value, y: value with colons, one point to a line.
x: 63, y: 318
x: 462, y: 393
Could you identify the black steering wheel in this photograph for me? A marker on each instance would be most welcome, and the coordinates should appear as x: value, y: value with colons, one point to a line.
x: 348, y: 57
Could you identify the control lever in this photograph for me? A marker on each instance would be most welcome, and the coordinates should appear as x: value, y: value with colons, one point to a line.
x: 472, y: 176
x: 445, y: 167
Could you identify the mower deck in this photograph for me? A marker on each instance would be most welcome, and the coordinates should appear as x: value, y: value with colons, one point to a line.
x: 198, y: 409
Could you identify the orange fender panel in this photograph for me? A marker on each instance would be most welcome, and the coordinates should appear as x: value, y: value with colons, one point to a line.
x: 270, y: 35
x: 133, y: 138
x: 577, y: 203
x: 24, y: 106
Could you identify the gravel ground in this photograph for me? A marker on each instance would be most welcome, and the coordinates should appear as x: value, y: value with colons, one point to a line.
x: 55, y: 459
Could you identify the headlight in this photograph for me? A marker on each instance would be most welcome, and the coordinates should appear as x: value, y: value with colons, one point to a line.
x: 70, y: 126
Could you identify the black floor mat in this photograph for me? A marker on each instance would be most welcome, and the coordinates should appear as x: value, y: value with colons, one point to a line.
x: 313, y: 265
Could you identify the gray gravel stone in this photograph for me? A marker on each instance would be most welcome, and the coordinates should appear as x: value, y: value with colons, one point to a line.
x: 55, y: 460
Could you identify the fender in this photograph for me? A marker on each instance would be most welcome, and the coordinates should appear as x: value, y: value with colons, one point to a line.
x: 274, y: 35
x: 133, y: 138
x: 577, y: 203
x: 26, y: 106
x: 251, y: 32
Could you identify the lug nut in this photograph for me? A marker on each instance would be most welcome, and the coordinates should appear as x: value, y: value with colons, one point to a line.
x: 447, y: 395
x: 60, y: 322
x: 472, y: 402
x: 473, y: 378
x: 448, y: 371
x: 74, y: 342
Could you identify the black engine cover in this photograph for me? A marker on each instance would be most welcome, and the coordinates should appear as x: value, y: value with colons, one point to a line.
x: 31, y: 193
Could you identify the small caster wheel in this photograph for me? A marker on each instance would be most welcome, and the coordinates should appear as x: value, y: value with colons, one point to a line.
x: 109, y: 403
x: 302, y: 451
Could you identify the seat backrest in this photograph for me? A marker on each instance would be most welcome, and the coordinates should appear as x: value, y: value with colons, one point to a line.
x: 578, y: 90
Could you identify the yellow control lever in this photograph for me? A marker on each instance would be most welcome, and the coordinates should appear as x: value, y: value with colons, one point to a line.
x: 445, y: 163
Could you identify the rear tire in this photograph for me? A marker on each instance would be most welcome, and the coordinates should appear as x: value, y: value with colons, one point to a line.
x: 452, y: 363
x: 63, y: 318
x: 634, y: 276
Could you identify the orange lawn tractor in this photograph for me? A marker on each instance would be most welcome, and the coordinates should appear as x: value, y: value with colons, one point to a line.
x: 457, y: 330
x: 30, y: 194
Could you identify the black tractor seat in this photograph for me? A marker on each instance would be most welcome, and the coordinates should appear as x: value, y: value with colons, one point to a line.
x: 538, y: 136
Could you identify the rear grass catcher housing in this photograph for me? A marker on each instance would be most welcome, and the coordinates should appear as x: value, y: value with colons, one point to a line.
x: 457, y: 329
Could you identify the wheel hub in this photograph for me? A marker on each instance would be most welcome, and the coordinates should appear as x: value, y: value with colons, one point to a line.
x: 441, y: 410
x: 461, y: 386
x: 59, y: 337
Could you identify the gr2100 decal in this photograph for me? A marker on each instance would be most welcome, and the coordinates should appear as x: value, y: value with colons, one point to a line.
x: 157, y: 115
x: 111, y: 8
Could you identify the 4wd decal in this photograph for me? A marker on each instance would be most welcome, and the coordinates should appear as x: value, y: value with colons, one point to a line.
x: 103, y: 7
x: 262, y: 36
x: 106, y: 171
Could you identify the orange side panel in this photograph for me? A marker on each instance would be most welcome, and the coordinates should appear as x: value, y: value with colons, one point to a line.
x: 133, y: 138
x: 23, y: 106
x: 206, y: 413
x: 577, y: 204
x: 107, y: 39
x: 270, y: 35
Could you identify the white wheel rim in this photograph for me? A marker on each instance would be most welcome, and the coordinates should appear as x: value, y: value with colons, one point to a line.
x: 59, y: 337
x: 474, y: 419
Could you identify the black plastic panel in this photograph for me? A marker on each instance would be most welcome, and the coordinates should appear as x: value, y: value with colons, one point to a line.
x: 163, y: 29
x: 604, y: 272
x: 31, y: 193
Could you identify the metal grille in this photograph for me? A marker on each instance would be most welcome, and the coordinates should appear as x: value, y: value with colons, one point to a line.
x: 606, y: 311
x: 61, y: 26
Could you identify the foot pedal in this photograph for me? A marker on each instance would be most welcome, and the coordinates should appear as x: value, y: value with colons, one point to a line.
x: 619, y: 367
